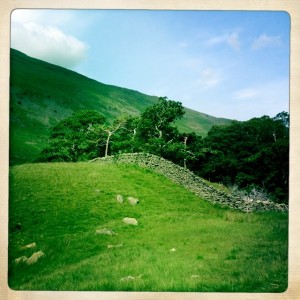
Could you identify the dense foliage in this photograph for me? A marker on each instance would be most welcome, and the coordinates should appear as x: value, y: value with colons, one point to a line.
x: 248, y: 154
x: 251, y: 153
x: 73, y: 139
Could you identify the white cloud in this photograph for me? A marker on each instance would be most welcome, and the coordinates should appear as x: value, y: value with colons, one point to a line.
x: 209, y: 78
x: 48, y: 43
x: 231, y: 40
x: 265, y: 40
x: 45, y: 17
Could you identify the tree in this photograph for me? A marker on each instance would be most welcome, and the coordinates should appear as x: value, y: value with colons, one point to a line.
x: 126, y: 138
x: 283, y: 118
x: 73, y: 138
x: 254, y: 152
x: 111, y: 130
x: 157, y: 119
x: 151, y: 132
x: 155, y: 128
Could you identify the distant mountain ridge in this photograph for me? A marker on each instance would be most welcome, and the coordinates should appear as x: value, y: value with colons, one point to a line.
x: 42, y: 94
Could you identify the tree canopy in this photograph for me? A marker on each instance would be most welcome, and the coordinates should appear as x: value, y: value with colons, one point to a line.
x: 254, y: 152
x: 73, y: 138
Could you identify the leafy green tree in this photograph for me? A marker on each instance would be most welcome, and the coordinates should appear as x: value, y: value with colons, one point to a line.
x: 153, y: 132
x: 125, y: 139
x: 254, y: 152
x: 156, y: 120
x: 155, y: 128
x: 283, y: 118
x: 74, y: 138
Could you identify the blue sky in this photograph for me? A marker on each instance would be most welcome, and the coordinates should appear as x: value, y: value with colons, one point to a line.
x: 226, y: 64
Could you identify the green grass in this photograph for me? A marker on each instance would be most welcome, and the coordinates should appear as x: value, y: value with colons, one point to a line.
x: 42, y: 94
x: 61, y: 205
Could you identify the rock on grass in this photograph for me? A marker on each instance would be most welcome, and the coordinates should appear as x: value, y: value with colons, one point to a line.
x: 105, y: 231
x: 133, y: 201
x: 34, y: 257
x: 130, y: 221
x: 120, y: 198
x: 21, y: 259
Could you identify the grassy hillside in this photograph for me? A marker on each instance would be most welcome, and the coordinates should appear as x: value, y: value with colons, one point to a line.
x: 59, y: 206
x: 41, y: 94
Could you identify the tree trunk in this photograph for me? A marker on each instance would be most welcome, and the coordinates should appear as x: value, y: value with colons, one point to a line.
x: 184, y: 159
x: 107, y: 143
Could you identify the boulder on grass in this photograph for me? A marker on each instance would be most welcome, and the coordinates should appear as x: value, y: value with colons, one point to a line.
x: 120, y: 198
x: 105, y: 231
x: 133, y: 201
x: 130, y: 221
x: 21, y: 260
x: 127, y: 278
x: 29, y: 246
x: 34, y: 257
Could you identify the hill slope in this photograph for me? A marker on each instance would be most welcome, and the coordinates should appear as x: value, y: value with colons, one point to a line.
x: 60, y: 207
x: 41, y: 94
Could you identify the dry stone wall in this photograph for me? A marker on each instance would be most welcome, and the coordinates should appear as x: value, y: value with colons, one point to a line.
x: 192, y: 182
